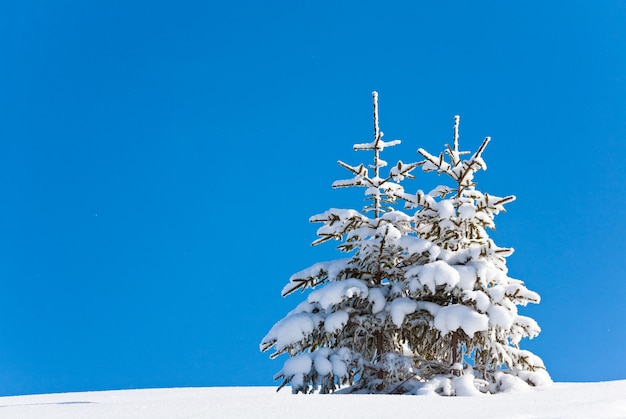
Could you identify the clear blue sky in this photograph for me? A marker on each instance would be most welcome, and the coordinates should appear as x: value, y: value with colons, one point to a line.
x: 159, y: 162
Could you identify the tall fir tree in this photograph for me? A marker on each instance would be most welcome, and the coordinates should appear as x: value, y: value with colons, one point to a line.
x: 422, y: 304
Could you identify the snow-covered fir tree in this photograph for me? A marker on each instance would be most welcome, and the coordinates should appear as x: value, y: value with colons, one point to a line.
x: 476, y: 301
x: 422, y: 303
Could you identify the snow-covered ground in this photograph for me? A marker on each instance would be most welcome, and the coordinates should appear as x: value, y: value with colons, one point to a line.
x: 561, y: 400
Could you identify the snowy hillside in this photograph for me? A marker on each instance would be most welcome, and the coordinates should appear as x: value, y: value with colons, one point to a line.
x: 561, y: 400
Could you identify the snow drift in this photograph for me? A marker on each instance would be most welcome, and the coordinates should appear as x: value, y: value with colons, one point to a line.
x: 559, y: 400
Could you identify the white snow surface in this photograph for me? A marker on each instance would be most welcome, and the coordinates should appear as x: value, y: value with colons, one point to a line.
x: 560, y: 400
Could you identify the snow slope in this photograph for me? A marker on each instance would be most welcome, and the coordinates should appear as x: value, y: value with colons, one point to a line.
x: 561, y: 400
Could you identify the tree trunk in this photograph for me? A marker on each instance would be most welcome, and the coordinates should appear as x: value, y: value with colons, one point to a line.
x: 379, y: 358
x: 454, y: 346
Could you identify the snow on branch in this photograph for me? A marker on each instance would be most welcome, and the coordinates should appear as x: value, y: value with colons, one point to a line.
x: 315, y: 275
x: 376, y: 145
x: 401, y: 170
x: 433, y: 163
x: 337, y: 223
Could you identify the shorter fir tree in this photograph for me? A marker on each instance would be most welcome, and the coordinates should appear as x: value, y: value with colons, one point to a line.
x: 476, y: 313
x: 422, y: 304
